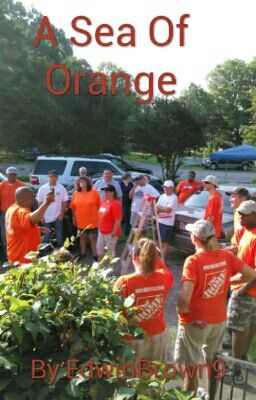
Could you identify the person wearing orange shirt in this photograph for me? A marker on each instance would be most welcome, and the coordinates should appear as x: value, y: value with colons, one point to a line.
x: 214, y: 207
x: 22, y: 232
x: 242, y: 309
x: 85, y: 204
x: 110, y: 217
x: 202, y: 299
x: 7, y: 197
x: 150, y: 283
x: 237, y: 196
x: 186, y: 188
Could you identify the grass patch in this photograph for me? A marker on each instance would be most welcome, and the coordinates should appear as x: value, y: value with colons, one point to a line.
x: 141, y: 157
x: 24, y: 178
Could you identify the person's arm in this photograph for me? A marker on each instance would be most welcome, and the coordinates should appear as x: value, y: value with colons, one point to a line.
x: 63, y: 210
x: 72, y: 206
x: 117, y: 212
x: 116, y: 227
x: 36, y: 216
x: 232, y: 248
x: 74, y: 218
x: 248, y: 275
x: 209, y: 215
x: 132, y: 192
x: 178, y: 188
x: 119, y: 191
x: 172, y: 204
x: 184, y: 296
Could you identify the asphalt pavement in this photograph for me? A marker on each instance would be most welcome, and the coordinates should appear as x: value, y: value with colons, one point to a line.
x: 235, y: 177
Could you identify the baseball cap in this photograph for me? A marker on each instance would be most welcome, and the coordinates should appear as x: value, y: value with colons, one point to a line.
x: 168, y: 183
x: 109, y: 188
x: 201, y: 229
x: 53, y: 172
x: 247, y: 207
x: 211, y: 179
x: 240, y: 191
x: 82, y: 169
x: 11, y: 170
x: 139, y: 177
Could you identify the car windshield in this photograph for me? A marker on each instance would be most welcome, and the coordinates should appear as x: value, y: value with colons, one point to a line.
x: 120, y: 163
x: 199, y: 200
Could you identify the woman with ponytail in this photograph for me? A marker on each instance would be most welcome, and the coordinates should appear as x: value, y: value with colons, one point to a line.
x: 202, y: 300
x: 150, y: 283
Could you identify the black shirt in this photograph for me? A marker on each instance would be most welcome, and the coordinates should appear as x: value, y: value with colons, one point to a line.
x: 126, y: 190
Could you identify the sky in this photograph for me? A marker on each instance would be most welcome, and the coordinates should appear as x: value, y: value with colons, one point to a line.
x: 218, y: 30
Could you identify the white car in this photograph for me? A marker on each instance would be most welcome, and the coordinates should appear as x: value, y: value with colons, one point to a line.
x: 193, y: 209
x: 68, y: 168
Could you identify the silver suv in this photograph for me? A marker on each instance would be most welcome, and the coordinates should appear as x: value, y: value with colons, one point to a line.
x: 67, y: 168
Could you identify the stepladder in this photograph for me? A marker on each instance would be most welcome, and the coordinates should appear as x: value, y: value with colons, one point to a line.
x: 145, y: 223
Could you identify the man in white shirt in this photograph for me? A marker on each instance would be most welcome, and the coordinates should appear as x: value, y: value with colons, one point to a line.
x: 166, y: 207
x: 107, y: 179
x: 53, y: 217
x: 140, y: 189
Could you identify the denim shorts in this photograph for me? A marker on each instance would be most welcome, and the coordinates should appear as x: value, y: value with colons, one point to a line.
x: 166, y: 233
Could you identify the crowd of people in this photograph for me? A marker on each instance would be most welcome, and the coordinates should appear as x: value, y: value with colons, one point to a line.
x: 210, y: 276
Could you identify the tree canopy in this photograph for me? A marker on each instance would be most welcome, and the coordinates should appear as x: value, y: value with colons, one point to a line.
x: 167, y: 129
x: 31, y: 116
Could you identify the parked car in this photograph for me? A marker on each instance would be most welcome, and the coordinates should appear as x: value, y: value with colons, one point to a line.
x: 30, y: 153
x: 207, y: 162
x: 68, y: 168
x: 124, y: 165
x: 2, y: 177
x: 193, y: 209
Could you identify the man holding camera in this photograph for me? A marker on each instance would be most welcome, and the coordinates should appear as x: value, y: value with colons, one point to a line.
x: 22, y: 232
x: 53, y: 217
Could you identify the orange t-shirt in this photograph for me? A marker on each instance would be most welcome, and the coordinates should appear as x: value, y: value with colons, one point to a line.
x: 210, y: 272
x: 245, y: 239
x: 150, y: 292
x: 214, y: 208
x: 7, y: 194
x: 109, y: 213
x: 86, y: 206
x: 21, y: 235
x: 185, y: 189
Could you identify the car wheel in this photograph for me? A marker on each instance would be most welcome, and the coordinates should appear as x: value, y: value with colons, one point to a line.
x: 213, y: 166
x: 245, y: 167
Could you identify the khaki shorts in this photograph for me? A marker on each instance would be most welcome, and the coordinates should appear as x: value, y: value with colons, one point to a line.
x: 193, y: 343
x: 108, y: 241
x: 241, y: 312
x: 152, y: 349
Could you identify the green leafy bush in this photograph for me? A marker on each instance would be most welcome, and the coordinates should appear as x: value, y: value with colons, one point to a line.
x: 58, y: 312
x: 53, y: 311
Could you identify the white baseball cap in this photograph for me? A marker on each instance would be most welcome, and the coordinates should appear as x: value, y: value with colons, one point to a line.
x: 201, y: 229
x: 211, y: 179
x: 247, y: 207
x: 168, y: 183
x: 11, y: 170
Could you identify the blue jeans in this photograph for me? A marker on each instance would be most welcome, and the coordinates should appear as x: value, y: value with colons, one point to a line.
x: 57, y: 226
x: 2, y: 226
